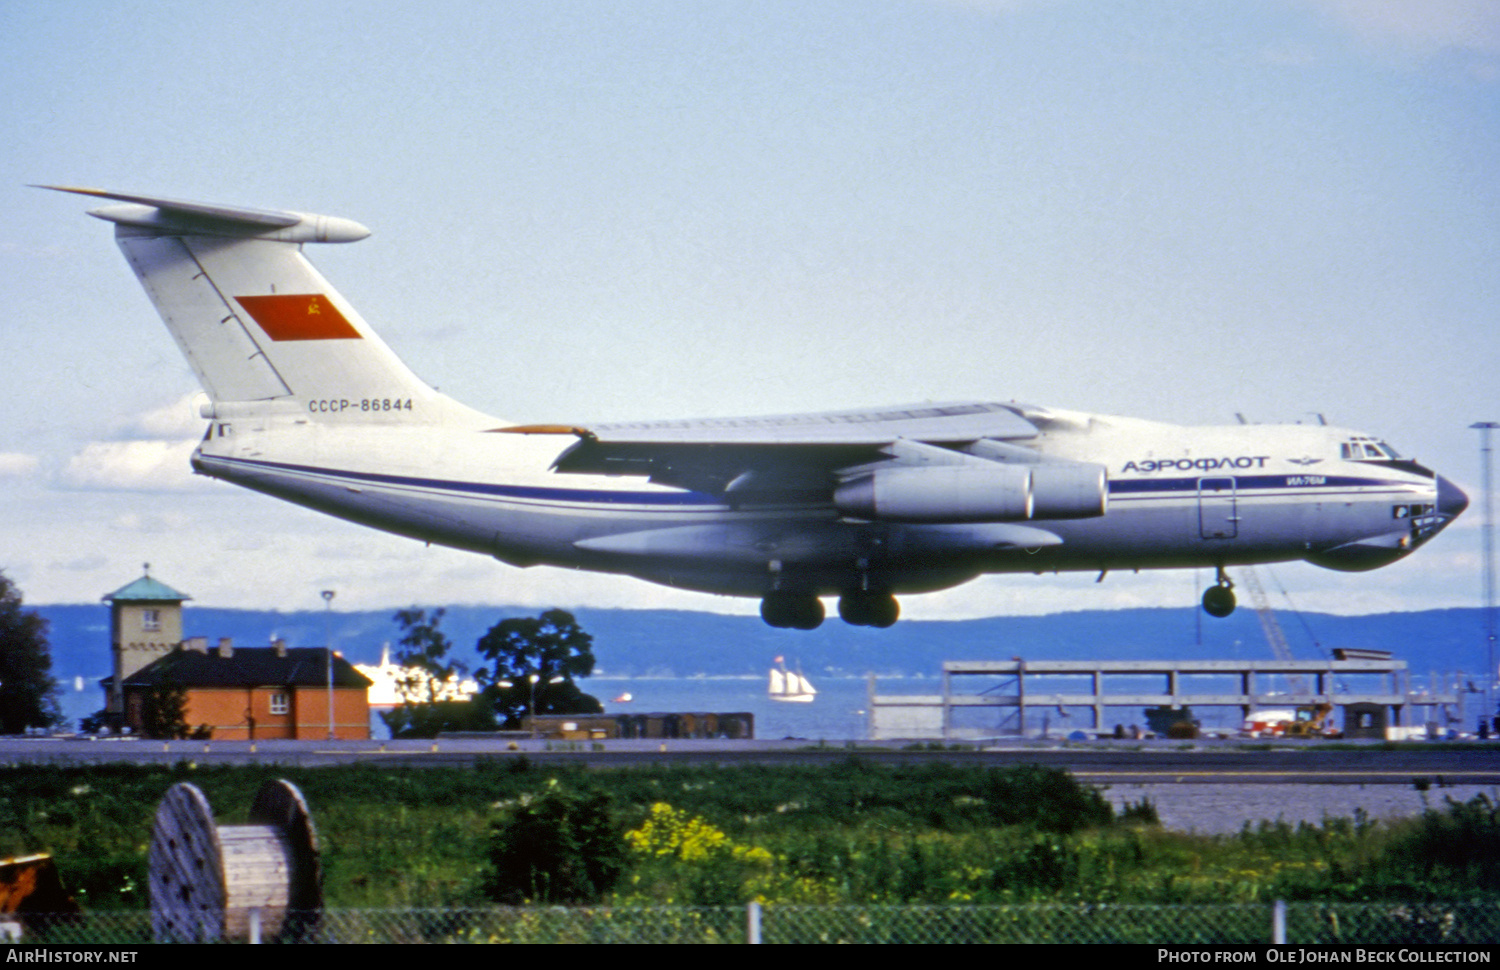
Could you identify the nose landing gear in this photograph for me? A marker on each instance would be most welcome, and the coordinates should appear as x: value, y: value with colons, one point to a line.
x: 1218, y: 599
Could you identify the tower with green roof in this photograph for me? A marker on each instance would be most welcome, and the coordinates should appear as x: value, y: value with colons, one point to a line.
x: 145, y: 624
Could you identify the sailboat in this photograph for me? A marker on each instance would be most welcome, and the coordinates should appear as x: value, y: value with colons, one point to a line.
x: 788, y: 686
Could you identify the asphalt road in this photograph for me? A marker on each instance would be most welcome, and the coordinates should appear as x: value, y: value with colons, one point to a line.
x: 1101, y: 763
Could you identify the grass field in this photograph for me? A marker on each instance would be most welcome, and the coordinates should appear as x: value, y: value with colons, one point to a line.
x: 850, y: 833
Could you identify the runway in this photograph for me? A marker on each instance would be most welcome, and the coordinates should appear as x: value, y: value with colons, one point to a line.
x: 1214, y: 787
x: 1099, y: 763
x: 1222, y: 809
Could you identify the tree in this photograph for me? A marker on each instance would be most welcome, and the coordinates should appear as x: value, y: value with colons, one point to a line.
x: 28, y: 692
x: 532, y: 665
x: 164, y: 711
x: 428, y: 705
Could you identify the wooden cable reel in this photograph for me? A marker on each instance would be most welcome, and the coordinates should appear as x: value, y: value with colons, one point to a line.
x: 213, y: 883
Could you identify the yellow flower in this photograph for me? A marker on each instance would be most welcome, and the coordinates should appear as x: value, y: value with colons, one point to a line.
x: 670, y: 832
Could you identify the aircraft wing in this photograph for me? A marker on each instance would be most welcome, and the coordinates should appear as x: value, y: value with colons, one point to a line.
x: 932, y: 423
x: 782, y: 457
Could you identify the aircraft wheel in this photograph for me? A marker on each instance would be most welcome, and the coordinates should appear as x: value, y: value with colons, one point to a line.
x: 1218, y: 601
x: 808, y: 613
x: 879, y: 610
x: 885, y: 613
x: 852, y: 609
x: 774, y: 609
x: 789, y: 610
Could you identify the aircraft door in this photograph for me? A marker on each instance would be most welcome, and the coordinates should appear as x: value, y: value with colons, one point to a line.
x: 1218, y: 511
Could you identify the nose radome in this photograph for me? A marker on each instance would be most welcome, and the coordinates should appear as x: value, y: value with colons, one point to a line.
x: 1451, y: 500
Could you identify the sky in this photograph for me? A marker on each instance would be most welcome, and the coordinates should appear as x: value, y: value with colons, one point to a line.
x: 1181, y: 211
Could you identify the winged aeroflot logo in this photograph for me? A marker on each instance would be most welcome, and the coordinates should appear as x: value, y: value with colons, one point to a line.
x: 298, y: 316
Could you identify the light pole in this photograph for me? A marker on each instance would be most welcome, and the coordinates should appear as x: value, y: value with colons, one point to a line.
x: 1488, y: 531
x: 531, y: 681
x: 328, y: 595
x: 534, y: 678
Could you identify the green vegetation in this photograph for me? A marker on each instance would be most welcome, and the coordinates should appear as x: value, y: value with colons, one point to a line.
x: 427, y: 709
x: 851, y: 833
x: 533, y: 663
x: 164, y: 711
x: 555, y: 846
x: 28, y: 692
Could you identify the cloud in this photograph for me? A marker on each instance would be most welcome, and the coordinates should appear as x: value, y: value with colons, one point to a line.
x: 16, y: 465
x: 155, y: 455
x: 152, y: 465
x: 180, y: 419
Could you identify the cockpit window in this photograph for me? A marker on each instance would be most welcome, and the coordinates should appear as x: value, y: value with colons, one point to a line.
x: 1361, y: 448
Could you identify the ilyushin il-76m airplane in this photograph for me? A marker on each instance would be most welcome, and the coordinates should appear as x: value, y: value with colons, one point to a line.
x: 307, y: 404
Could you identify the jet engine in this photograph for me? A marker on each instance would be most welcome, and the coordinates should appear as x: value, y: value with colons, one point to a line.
x: 976, y: 492
x: 939, y: 493
x: 1068, y: 490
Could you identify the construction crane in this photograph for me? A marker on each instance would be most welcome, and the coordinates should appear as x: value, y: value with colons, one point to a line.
x: 1275, y: 636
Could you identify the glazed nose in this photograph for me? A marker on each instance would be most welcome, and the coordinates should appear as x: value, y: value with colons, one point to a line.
x: 1451, y: 500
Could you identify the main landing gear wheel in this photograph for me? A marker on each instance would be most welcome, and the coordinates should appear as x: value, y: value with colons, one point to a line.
x: 1219, y: 600
x: 789, y: 610
x: 864, y: 608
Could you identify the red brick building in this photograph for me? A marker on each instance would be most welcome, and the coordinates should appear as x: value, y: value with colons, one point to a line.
x: 257, y: 693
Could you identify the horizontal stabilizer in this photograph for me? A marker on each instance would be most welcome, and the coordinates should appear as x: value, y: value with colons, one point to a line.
x: 177, y: 217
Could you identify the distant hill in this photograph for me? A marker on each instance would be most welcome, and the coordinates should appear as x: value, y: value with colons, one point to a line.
x: 632, y: 643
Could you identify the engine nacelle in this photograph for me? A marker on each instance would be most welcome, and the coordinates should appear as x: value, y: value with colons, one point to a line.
x: 992, y: 492
x: 1068, y: 490
x: 940, y: 493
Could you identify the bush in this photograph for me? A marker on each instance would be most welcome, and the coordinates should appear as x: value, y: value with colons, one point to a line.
x: 1459, y: 847
x: 555, y: 847
x: 1142, y: 812
x: 1043, y: 798
x: 429, y: 719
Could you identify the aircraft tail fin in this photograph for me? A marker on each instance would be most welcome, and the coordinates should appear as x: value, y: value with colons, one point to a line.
x: 261, y: 327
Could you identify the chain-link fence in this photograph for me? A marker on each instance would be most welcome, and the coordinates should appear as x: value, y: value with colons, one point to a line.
x: 1471, y: 922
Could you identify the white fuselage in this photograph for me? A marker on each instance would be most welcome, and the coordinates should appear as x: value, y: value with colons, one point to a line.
x: 1177, y: 497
